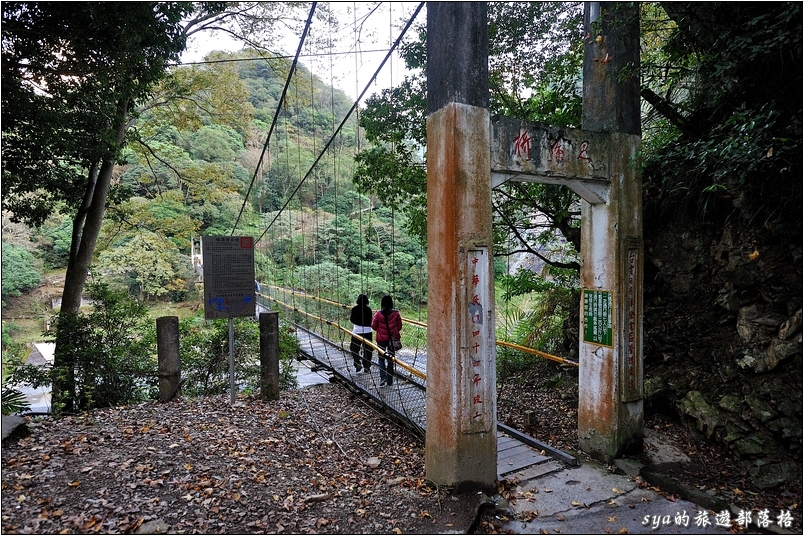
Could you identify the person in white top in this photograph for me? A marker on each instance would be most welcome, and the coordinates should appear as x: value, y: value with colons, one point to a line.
x: 361, y: 320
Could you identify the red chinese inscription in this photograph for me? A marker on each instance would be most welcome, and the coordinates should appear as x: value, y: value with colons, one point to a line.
x: 583, y: 151
x: 521, y: 146
x: 557, y: 151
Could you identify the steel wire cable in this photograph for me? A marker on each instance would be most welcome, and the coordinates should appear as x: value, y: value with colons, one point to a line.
x: 276, y: 114
x: 349, y: 113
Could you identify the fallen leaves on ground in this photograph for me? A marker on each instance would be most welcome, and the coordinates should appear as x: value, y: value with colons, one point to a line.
x: 296, y: 465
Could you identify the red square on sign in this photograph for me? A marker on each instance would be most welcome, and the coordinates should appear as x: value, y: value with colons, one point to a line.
x: 246, y: 242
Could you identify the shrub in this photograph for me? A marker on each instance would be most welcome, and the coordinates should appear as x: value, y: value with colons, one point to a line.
x: 204, y: 350
x: 13, y: 401
x: 18, y: 273
x: 112, y: 363
x: 15, y: 374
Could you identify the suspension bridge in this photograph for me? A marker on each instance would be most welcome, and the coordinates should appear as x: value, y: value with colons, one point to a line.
x: 321, y: 241
x: 324, y: 338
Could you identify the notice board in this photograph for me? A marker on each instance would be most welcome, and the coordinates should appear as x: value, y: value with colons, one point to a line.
x: 598, y: 317
x: 228, y: 263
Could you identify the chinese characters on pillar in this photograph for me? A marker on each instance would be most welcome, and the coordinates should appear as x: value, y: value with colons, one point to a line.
x: 521, y: 145
x: 558, y: 150
x: 583, y: 151
x: 478, y: 378
x: 520, y: 149
x: 631, y: 387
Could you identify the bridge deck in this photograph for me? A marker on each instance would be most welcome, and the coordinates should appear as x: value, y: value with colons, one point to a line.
x: 517, y: 455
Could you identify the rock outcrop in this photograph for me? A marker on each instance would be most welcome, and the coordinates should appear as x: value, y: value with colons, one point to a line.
x: 723, y: 337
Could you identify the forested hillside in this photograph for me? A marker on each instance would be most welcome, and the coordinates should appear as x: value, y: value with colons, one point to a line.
x: 186, y: 175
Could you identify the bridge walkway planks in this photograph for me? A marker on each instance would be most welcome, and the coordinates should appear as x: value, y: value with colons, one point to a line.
x: 518, y: 456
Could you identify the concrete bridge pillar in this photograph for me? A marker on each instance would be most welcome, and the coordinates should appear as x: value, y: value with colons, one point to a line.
x: 461, y: 439
x: 610, y: 404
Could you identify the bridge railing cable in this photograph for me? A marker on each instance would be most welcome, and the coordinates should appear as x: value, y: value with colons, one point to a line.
x: 340, y: 335
x: 423, y: 326
x: 327, y: 342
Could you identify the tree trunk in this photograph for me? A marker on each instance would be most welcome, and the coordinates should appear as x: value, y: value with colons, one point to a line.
x: 86, y: 229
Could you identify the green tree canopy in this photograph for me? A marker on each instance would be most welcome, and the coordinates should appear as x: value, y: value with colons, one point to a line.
x: 18, y: 272
x: 725, y: 133
x: 72, y: 75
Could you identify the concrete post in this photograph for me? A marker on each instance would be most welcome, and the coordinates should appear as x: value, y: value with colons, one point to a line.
x: 168, y: 358
x: 461, y: 439
x: 610, y: 405
x: 269, y: 355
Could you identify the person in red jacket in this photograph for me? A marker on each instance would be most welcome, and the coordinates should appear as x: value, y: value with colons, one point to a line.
x: 387, y: 322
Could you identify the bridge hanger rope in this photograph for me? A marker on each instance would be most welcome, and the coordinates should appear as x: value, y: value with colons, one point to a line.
x: 278, y: 110
x: 290, y: 255
x: 348, y: 114
x: 300, y: 218
x: 363, y: 270
x: 393, y: 148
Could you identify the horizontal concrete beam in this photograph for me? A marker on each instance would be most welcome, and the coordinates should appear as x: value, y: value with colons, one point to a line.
x: 595, y: 191
x: 535, y: 152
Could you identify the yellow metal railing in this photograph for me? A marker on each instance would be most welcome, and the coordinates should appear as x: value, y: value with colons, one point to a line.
x: 507, y: 344
x: 380, y: 350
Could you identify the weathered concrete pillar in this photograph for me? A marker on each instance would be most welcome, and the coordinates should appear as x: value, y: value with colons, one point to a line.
x: 610, y: 405
x: 269, y: 355
x: 461, y: 440
x: 168, y: 358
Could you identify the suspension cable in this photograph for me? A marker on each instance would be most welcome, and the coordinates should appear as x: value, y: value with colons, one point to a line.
x: 351, y: 110
x: 276, y: 114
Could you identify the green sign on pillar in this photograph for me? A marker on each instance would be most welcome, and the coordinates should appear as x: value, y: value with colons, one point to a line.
x: 598, y: 317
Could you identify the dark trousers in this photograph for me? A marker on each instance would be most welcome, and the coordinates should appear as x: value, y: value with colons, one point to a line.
x: 355, y: 347
x: 386, y: 364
